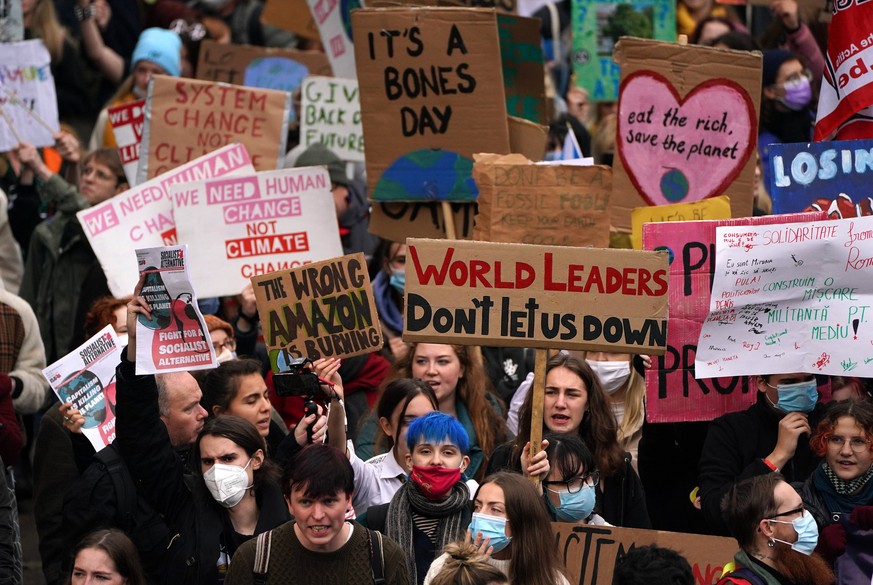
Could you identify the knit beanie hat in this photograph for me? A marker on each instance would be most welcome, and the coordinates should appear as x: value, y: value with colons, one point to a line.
x: 319, y: 154
x: 160, y: 46
x: 773, y: 60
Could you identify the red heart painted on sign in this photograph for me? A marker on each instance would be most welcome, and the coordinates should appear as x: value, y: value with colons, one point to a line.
x: 683, y: 150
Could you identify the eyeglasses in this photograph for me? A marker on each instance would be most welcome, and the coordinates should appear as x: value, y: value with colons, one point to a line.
x: 857, y: 444
x: 801, y: 510
x: 575, y: 484
x: 229, y: 343
x: 795, y: 77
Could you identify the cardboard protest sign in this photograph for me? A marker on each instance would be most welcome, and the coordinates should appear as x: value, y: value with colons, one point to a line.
x: 483, y: 293
x: 712, y: 208
x: 331, y: 115
x: 591, y: 553
x: 143, y: 215
x: 830, y: 176
x: 400, y: 220
x: 28, y: 102
x: 791, y: 297
x: 127, y: 121
x: 536, y: 204
x: 175, y: 338
x: 292, y: 15
x: 673, y: 394
x: 527, y: 139
x: 845, y: 103
x: 430, y: 99
x: 86, y: 377
x: 597, y: 26
x: 11, y: 21
x: 258, y: 224
x: 264, y: 67
x: 323, y: 309
x: 686, y: 131
x: 332, y: 19
x: 523, y: 80
x: 185, y: 118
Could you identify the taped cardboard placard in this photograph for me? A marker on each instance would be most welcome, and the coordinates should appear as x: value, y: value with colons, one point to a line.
x: 673, y: 394
x: 323, y: 309
x: 186, y: 118
x: 520, y: 202
x: 331, y: 115
x: 483, y: 293
x: 399, y: 220
x: 596, y: 27
x: 687, y: 126
x: 591, y: 553
x: 291, y: 15
x: 265, y: 67
x: 258, y: 223
x: 828, y: 176
x: 430, y: 99
x: 712, y: 208
x: 523, y: 79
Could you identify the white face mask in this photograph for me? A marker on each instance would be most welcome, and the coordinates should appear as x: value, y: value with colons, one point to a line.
x: 225, y: 356
x: 227, y: 483
x: 122, y: 340
x: 612, y: 375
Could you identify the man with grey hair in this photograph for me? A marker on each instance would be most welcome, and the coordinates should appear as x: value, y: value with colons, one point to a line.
x: 60, y: 488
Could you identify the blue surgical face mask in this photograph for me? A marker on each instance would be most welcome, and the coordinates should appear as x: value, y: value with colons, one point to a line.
x: 800, y: 397
x: 574, y: 507
x: 398, y: 279
x: 493, y: 527
x: 807, y: 533
x: 553, y: 155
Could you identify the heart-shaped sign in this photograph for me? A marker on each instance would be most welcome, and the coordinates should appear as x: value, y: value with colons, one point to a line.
x: 683, y: 150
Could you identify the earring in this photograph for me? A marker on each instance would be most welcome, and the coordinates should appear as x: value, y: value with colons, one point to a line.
x: 771, y: 542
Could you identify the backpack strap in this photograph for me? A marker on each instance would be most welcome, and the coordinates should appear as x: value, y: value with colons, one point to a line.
x: 377, y: 558
x: 125, y: 492
x: 262, y: 557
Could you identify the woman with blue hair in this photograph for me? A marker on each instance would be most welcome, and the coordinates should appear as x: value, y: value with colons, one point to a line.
x: 432, y: 508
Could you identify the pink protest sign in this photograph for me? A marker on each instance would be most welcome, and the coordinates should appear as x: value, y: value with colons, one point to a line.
x: 672, y: 392
x: 687, y: 126
x: 143, y: 215
x: 698, y: 145
x: 127, y: 122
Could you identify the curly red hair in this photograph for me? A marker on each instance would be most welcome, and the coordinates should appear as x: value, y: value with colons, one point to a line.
x: 860, y: 410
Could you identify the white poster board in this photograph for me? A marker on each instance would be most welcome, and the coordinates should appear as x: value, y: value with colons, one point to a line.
x: 791, y: 298
x: 174, y: 337
x: 331, y: 115
x: 143, y: 216
x: 328, y: 15
x: 127, y: 123
x: 28, y: 102
x: 86, y: 378
x: 258, y: 223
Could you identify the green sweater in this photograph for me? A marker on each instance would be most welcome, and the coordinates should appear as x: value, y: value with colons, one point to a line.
x: 291, y: 563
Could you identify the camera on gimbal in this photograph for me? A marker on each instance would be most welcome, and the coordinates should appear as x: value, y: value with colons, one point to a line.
x: 301, y: 381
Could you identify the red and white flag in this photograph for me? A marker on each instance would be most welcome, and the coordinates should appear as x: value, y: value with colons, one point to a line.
x: 845, y: 105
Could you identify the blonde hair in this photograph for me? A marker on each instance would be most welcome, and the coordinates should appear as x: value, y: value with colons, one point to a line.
x: 634, y: 408
x: 464, y: 567
x: 45, y: 25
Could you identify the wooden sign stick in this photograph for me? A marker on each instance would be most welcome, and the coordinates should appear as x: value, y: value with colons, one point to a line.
x: 539, y: 393
x: 449, y: 221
